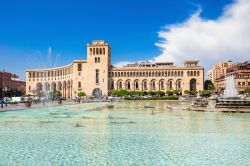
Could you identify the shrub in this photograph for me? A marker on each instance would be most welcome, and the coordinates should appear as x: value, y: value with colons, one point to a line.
x: 81, y: 94
x: 247, y: 90
x: 160, y: 93
x: 187, y: 92
x: 193, y: 92
x: 169, y: 93
x: 206, y: 93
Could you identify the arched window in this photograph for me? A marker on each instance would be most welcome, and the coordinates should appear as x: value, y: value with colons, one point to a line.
x: 95, y: 59
x: 198, y: 73
x: 136, y: 85
x: 178, y: 85
x: 90, y: 51
x: 97, y: 51
x: 194, y: 73
x: 112, y: 85
x: 93, y: 51
x: 153, y: 85
x: 79, y: 84
x: 99, y: 60
x: 162, y: 85
x: 192, y: 84
x: 170, y: 84
x: 145, y: 86
x: 103, y: 50
x: 128, y: 85
x: 97, y: 76
x: 120, y: 85
x: 100, y: 49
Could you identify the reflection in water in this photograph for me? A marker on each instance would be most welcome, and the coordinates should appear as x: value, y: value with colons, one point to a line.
x: 123, y: 133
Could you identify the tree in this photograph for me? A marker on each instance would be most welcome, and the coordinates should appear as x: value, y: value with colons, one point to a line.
x: 160, y: 93
x: 169, y: 93
x: 56, y: 94
x: 152, y: 93
x: 193, y: 92
x: 208, y: 85
x: 176, y: 92
x: 247, y: 90
x: 206, y: 93
x: 81, y: 94
x: 119, y: 93
x: 187, y: 92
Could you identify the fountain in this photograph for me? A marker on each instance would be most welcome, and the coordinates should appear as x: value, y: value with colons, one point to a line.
x: 231, y: 99
x: 230, y: 90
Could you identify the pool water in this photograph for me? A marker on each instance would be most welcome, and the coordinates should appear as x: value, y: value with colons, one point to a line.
x: 123, y: 133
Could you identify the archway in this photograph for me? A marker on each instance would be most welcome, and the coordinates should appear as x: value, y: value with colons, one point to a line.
x: 39, y: 87
x: 97, y: 93
x: 193, y: 84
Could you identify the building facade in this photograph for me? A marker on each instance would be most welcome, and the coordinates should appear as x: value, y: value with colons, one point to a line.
x: 97, y: 77
x: 241, y: 73
x: 11, y: 84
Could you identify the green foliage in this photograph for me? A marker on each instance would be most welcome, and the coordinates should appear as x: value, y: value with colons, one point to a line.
x: 247, y: 90
x: 193, y: 92
x: 81, y: 94
x: 135, y: 93
x: 206, y: 93
x: 208, y: 85
x: 176, y: 92
x: 152, y: 93
x: 119, y: 93
x: 160, y: 93
x: 56, y: 94
x: 169, y: 93
x: 187, y: 92
x: 156, y: 98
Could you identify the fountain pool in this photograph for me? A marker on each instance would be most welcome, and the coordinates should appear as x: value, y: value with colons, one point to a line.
x: 123, y: 133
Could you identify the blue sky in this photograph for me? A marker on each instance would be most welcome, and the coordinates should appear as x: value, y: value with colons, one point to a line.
x: 28, y: 28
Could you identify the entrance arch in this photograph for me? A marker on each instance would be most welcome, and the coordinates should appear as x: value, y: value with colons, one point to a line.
x: 97, y: 92
x: 193, y: 84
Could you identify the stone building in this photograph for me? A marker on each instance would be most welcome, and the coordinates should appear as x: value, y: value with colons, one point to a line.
x: 97, y: 77
x: 241, y: 73
x: 11, y: 84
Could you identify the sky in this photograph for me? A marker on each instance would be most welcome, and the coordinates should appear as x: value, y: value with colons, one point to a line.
x: 137, y: 30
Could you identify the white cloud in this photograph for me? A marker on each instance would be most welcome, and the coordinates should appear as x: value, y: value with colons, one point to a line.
x: 210, y: 41
x: 122, y: 63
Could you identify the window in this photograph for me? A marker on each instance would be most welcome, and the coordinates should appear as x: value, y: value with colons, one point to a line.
x: 99, y: 60
x: 95, y: 59
x: 79, y: 67
x: 29, y: 88
x: 90, y: 51
x: 97, y: 76
x: 79, y: 84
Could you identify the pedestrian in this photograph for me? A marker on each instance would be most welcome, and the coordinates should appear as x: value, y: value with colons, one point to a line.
x: 2, y: 104
x: 6, y: 104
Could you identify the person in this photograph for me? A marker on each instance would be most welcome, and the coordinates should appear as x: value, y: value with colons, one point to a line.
x: 2, y: 104
x: 6, y: 104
